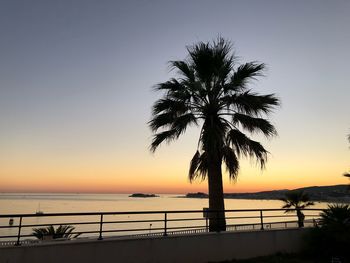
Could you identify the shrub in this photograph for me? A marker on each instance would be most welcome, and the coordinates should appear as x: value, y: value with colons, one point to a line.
x: 331, y: 237
x: 63, y: 231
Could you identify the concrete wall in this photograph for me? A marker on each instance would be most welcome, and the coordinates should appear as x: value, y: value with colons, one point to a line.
x: 208, y: 247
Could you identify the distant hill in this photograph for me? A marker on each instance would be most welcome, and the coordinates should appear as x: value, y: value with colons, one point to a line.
x: 197, y: 195
x: 333, y: 193
x: 143, y: 195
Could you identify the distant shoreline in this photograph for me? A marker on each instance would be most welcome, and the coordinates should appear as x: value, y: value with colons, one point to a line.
x: 347, y: 200
x: 335, y: 193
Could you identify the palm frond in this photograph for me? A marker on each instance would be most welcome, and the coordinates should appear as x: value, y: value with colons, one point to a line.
x: 158, y: 138
x: 259, y: 152
x: 169, y: 105
x: 231, y: 161
x: 194, y: 165
x: 251, y: 103
x: 288, y: 206
x: 162, y: 120
x: 182, y: 122
x: 40, y: 233
x: 255, y: 124
x: 183, y: 69
x: 64, y: 231
x: 170, y: 85
x: 309, y: 204
x: 247, y: 147
x: 198, y: 166
x: 175, y: 89
x: 244, y: 74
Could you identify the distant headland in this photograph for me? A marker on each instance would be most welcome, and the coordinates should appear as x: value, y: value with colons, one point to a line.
x: 197, y: 195
x: 334, y: 193
x: 143, y: 195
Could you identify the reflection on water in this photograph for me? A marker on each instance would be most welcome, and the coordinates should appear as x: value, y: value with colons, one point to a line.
x: 66, y: 203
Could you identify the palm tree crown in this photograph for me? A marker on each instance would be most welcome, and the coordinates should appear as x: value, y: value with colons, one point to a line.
x: 212, y: 92
x: 296, y: 200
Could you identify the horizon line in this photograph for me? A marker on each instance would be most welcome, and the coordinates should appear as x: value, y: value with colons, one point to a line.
x: 146, y: 192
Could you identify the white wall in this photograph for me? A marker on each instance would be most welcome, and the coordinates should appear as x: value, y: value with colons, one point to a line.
x: 190, y: 248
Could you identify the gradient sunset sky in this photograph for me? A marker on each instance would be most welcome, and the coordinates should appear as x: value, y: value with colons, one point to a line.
x: 76, y: 92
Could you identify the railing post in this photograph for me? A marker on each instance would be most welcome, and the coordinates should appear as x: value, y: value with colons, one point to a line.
x: 206, y: 224
x: 101, y: 223
x: 165, y: 224
x: 19, y: 232
x: 261, y: 220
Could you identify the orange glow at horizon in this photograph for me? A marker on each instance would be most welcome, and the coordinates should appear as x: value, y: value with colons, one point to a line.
x: 159, y: 179
x: 134, y: 169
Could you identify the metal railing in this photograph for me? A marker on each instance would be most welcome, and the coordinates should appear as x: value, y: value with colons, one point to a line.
x: 148, y: 223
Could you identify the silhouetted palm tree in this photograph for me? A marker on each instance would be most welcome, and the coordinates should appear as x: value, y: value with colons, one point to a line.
x: 63, y: 231
x: 211, y: 92
x: 296, y: 201
x: 331, y: 236
x: 336, y: 216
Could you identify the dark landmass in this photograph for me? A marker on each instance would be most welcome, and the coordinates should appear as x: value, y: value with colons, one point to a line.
x: 197, y: 195
x: 334, y: 193
x: 143, y: 195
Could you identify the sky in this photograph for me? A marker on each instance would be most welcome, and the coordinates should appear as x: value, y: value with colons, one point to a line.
x: 76, y: 93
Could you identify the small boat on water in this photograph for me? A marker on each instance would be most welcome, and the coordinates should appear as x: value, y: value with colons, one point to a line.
x: 39, y: 212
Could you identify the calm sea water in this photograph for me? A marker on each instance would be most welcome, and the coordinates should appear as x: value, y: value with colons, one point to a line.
x: 61, y: 203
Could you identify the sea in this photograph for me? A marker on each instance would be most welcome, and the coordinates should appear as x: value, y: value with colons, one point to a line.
x: 31, y: 203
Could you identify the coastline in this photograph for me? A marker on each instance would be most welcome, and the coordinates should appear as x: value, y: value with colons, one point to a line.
x: 330, y: 194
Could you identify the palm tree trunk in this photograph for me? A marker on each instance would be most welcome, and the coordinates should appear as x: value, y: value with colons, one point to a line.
x: 300, y: 218
x: 217, y: 220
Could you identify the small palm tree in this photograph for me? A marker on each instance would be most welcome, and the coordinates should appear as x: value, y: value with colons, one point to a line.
x: 336, y: 216
x: 297, y: 201
x: 331, y: 236
x: 212, y: 92
x: 63, y: 231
